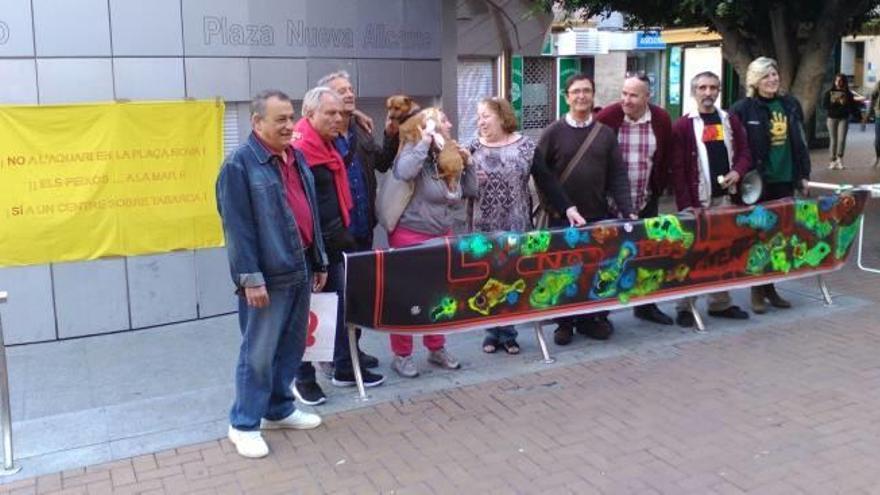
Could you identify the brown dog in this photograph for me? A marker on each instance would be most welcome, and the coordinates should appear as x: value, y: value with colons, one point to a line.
x: 400, y: 108
x: 450, y: 161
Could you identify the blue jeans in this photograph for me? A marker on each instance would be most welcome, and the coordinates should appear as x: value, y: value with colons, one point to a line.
x: 503, y: 334
x: 272, y: 343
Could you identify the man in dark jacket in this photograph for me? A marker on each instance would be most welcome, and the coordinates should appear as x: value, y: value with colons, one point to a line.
x: 774, y: 125
x: 337, y: 208
x: 644, y: 132
x: 710, y: 155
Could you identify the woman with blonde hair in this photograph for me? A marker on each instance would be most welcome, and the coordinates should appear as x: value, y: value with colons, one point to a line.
x: 774, y: 126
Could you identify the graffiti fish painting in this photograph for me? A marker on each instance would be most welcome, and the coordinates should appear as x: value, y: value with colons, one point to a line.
x: 494, y: 293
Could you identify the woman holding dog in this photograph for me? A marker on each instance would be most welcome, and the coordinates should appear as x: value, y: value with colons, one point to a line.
x: 502, y: 159
x: 429, y: 214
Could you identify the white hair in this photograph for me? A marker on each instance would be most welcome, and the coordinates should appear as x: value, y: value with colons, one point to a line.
x: 707, y: 74
x: 312, y: 99
x: 340, y: 74
x: 758, y: 69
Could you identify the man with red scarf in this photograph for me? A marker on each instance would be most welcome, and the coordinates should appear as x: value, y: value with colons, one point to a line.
x: 321, y: 122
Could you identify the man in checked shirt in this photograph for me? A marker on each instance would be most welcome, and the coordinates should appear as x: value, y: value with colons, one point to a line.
x: 644, y: 132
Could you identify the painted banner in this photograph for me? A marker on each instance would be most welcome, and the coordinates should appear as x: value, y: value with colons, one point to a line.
x: 79, y: 182
x: 482, y: 280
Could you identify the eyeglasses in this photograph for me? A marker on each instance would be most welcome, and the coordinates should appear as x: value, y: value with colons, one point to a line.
x: 580, y: 91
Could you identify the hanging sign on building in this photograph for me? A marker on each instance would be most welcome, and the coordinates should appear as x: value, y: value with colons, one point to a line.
x: 80, y: 182
x: 649, y: 40
x: 516, y: 86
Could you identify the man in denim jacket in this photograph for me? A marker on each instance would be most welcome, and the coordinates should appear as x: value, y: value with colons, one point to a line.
x: 266, y: 198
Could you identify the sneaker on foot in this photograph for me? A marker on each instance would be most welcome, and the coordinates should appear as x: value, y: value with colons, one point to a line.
x: 596, y: 327
x: 685, y: 319
x: 326, y: 368
x: 308, y: 393
x: 442, y: 358
x: 297, y: 420
x: 346, y: 379
x: 248, y: 444
x: 405, y: 366
x: 732, y: 312
x: 563, y: 334
x: 368, y: 361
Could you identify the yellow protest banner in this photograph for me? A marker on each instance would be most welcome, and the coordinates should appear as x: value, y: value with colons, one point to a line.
x: 79, y: 182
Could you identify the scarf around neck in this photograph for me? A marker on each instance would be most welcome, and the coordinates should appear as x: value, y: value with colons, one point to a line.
x: 319, y: 152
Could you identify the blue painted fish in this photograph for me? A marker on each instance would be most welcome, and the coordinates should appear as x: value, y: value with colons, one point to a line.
x: 759, y: 218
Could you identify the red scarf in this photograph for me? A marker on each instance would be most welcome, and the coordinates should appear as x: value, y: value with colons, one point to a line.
x: 320, y: 152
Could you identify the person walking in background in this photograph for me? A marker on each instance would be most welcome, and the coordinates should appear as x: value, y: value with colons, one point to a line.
x: 429, y: 214
x: 874, y: 112
x: 774, y: 127
x: 840, y: 103
x: 503, y: 161
x: 319, y: 125
x: 583, y: 155
x: 644, y: 132
x: 710, y: 156
x: 267, y: 202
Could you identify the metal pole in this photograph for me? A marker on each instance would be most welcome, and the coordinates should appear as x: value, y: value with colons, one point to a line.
x: 356, y: 361
x: 5, y: 414
x: 861, y: 241
x: 699, y: 326
x: 823, y: 288
x: 539, y: 333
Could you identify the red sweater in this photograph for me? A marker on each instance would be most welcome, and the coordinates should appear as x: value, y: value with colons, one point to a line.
x: 685, y: 170
x: 661, y: 124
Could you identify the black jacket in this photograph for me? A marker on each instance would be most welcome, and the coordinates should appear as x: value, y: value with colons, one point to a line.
x: 371, y: 157
x: 754, y: 114
x: 840, y: 103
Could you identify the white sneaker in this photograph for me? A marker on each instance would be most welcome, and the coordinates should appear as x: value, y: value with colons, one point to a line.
x: 249, y: 444
x: 298, y: 420
x: 832, y: 165
x: 405, y: 366
x: 442, y: 358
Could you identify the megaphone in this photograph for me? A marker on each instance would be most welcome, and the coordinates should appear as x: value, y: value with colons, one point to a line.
x: 751, y: 187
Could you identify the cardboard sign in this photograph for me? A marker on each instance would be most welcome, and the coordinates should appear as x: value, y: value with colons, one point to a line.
x: 321, y: 331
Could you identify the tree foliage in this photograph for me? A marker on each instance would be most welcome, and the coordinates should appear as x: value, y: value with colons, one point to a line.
x: 799, y: 34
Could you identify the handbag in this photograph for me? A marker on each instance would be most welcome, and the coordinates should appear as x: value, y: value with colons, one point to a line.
x: 542, y: 213
x: 392, y: 199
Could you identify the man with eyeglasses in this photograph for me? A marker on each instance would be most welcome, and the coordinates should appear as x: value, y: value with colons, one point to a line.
x: 644, y: 132
x: 588, y: 177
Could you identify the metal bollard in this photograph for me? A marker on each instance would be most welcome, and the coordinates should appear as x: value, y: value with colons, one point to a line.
x: 5, y: 413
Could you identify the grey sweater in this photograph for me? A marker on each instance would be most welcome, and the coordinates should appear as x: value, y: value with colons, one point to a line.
x: 432, y: 207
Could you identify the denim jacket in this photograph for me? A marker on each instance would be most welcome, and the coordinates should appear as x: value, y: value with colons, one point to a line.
x: 262, y: 239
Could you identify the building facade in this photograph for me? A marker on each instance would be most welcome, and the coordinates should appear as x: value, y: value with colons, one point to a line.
x: 54, y: 52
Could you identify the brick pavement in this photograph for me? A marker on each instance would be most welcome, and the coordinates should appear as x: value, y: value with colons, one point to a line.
x: 792, y: 408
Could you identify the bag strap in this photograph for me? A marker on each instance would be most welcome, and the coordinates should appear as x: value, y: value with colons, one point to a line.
x: 580, y: 153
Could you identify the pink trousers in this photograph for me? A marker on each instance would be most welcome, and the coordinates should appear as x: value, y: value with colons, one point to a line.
x: 402, y: 345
